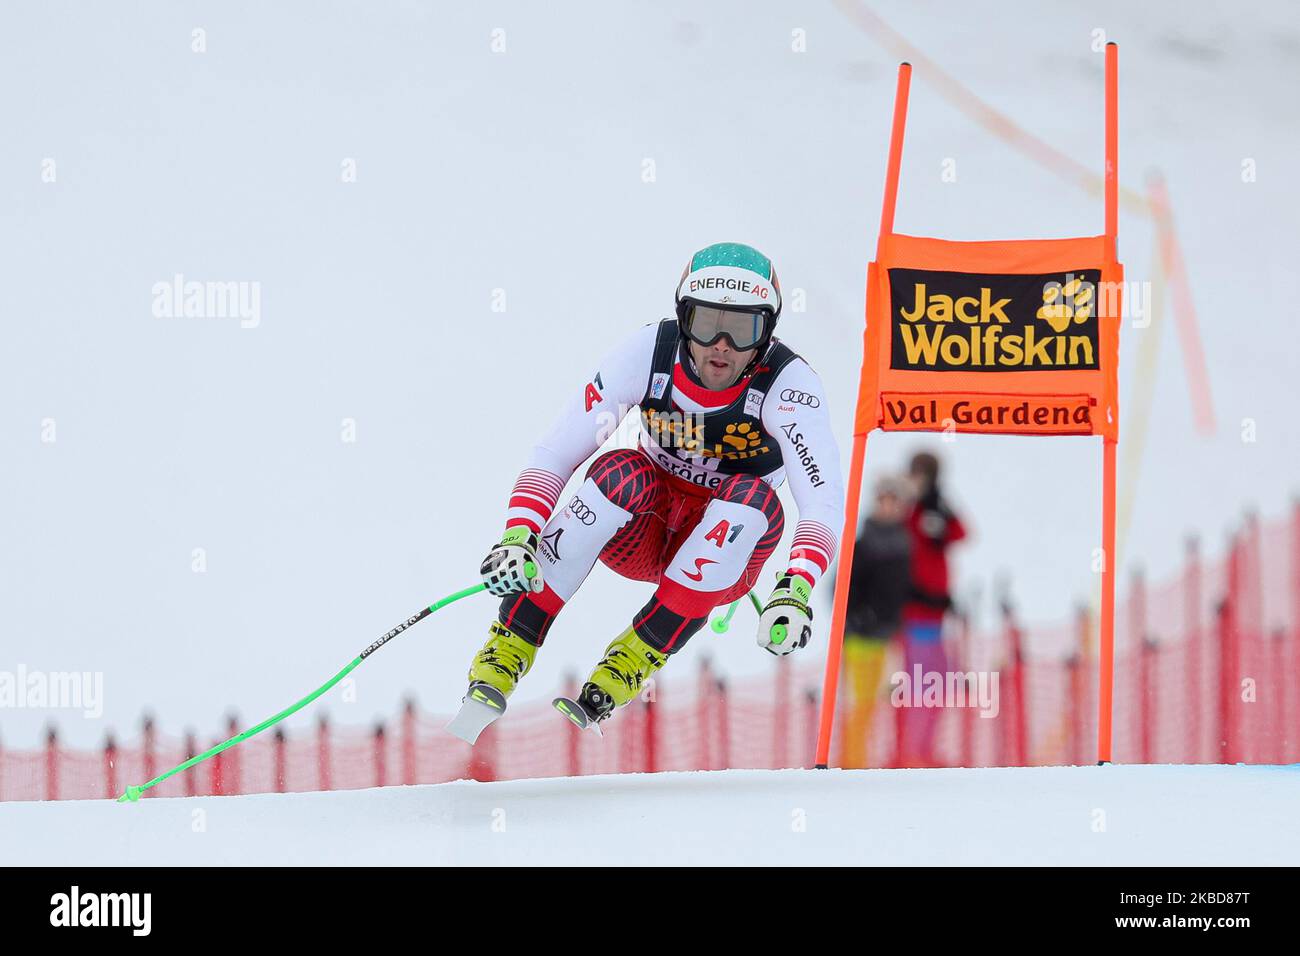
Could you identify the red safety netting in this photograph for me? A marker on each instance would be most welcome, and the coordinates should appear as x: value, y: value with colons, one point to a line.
x: 1207, y: 669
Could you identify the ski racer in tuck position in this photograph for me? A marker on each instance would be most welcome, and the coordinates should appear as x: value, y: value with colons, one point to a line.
x: 727, y: 413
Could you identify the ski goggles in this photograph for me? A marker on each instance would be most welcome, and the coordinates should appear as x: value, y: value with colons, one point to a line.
x: 743, y: 330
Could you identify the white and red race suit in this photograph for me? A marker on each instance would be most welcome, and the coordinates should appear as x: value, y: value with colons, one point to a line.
x: 693, y: 508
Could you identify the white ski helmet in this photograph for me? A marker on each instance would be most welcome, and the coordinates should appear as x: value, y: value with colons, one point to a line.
x: 733, y: 277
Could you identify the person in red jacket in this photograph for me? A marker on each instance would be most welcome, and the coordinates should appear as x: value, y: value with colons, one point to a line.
x: 933, y: 527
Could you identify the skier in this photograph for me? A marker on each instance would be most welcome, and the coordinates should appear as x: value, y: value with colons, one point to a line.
x: 727, y: 413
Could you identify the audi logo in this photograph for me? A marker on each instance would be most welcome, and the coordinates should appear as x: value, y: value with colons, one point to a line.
x: 579, y: 510
x: 800, y: 398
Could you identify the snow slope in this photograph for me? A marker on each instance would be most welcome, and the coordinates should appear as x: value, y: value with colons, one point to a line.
x: 177, y: 496
x: 1185, y: 815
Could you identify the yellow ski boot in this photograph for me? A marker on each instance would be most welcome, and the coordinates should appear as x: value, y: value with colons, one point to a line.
x: 619, y: 676
x: 497, y: 668
x: 504, y: 659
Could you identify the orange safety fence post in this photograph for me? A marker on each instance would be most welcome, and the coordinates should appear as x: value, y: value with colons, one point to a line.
x: 52, y: 764
x: 191, y: 779
x: 279, y: 744
x: 651, y: 727
x: 1294, y: 669
x: 379, y: 753
x: 324, y: 777
x: 1193, y: 632
x: 234, y: 763
x: 724, y: 725
x: 1229, y: 609
x: 408, y: 742
x: 1078, y: 659
x: 967, y: 715
x: 1020, y: 756
x: 216, y: 781
x: 149, y: 731
x: 110, y: 767
x: 1145, y: 711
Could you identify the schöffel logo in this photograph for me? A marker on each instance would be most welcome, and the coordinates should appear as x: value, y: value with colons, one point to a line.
x: 810, y: 466
x: 970, y: 322
x: 550, y: 545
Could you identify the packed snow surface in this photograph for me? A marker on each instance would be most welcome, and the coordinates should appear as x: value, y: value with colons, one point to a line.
x: 1183, y: 815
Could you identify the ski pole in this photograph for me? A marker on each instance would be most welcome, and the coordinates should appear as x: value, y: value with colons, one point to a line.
x: 721, y: 624
x: 133, y: 793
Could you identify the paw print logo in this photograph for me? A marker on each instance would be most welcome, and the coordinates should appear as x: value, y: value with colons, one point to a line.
x: 1063, y: 304
x: 744, y: 439
x: 742, y: 436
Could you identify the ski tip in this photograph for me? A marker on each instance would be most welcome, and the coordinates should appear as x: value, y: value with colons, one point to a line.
x: 482, y: 705
x: 577, y: 716
x: 571, y: 710
x: 487, y: 695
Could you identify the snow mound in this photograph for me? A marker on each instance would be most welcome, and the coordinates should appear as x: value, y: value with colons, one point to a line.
x: 1185, y: 815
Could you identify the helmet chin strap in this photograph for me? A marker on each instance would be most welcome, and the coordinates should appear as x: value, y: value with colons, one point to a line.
x: 760, y: 350
x: 753, y: 363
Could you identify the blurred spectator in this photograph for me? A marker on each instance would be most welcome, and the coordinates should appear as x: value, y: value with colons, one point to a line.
x: 879, y: 584
x: 933, y: 527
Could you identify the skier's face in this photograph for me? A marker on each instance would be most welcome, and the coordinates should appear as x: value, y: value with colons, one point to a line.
x: 719, y: 364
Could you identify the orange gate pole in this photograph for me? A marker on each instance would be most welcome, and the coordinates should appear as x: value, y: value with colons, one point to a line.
x: 830, y: 681
x: 1106, y: 670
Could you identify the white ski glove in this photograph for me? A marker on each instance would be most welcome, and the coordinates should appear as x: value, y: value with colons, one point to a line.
x: 512, y: 567
x: 786, y: 621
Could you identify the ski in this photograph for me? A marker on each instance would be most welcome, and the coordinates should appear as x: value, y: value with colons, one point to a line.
x: 482, y: 705
x: 577, y: 715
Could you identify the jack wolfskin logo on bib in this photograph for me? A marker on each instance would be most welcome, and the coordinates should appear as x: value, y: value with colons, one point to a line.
x: 970, y: 322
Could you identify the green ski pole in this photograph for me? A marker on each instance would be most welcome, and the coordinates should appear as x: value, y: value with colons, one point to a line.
x: 133, y: 793
x: 721, y: 624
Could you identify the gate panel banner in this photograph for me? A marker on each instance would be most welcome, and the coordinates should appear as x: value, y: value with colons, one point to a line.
x: 1008, y: 338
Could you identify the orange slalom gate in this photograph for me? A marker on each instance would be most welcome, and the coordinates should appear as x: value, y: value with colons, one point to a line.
x: 1006, y: 337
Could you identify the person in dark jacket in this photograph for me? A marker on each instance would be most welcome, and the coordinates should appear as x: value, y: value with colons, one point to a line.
x: 933, y: 527
x: 879, y: 584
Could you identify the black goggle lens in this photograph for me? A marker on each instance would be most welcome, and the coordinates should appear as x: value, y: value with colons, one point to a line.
x: 743, y: 330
